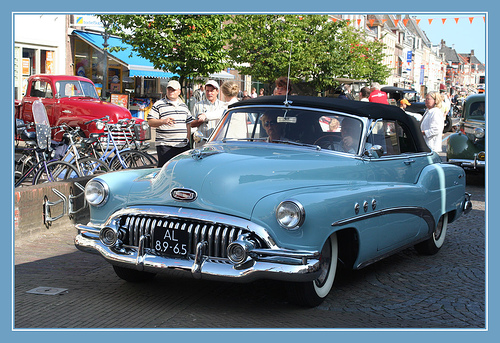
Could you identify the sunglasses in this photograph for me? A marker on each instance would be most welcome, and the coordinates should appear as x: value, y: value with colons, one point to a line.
x: 270, y: 122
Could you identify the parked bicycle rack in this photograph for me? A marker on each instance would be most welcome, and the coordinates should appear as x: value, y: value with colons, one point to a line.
x: 72, y: 200
x: 47, y: 219
x: 68, y: 207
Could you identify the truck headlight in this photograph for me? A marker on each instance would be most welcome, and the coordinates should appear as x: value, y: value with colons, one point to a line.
x: 99, y: 125
x: 290, y: 214
x: 96, y: 192
x: 479, y: 133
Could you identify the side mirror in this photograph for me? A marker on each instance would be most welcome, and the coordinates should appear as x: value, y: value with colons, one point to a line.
x: 376, y: 151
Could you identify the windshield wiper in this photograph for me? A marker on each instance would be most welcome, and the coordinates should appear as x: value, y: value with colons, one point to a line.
x: 317, y: 147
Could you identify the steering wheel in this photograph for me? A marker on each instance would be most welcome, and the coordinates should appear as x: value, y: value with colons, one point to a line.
x: 326, y: 142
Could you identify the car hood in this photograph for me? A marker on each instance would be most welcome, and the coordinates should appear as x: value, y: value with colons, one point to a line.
x: 232, y: 179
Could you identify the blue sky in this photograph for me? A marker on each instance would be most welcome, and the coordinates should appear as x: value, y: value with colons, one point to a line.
x: 462, y: 34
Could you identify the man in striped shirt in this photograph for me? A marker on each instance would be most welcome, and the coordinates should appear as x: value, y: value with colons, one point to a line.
x: 172, y: 120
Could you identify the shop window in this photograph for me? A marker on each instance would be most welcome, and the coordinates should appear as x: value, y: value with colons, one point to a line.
x: 82, y: 59
x: 47, y: 63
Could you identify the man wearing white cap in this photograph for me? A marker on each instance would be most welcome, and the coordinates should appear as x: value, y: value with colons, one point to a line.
x: 207, y: 113
x: 172, y: 120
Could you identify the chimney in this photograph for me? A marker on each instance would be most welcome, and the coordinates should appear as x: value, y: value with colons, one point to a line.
x: 472, y: 52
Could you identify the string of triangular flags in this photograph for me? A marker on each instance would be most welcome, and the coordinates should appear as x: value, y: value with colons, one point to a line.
x: 417, y: 20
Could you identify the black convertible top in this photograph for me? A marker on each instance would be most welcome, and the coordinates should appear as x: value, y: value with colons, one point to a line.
x: 363, y: 109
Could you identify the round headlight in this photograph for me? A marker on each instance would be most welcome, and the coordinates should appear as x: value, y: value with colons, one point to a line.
x: 479, y: 133
x: 99, y: 125
x: 290, y: 214
x: 145, y: 125
x: 96, y: 192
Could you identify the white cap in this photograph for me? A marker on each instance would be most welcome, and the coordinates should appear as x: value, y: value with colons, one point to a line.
x: 212, y: 83
x: 174, y: 84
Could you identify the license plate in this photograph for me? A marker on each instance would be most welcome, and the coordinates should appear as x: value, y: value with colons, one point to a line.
x: 170, y: 241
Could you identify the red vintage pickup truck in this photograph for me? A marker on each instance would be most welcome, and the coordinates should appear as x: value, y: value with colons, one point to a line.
x: 68, y: 99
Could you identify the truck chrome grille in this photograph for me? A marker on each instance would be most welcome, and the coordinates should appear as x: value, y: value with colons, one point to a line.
x: 218, y: 236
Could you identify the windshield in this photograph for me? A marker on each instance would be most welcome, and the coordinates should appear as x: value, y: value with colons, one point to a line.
x: 75, y: 88
x: 290, y: 126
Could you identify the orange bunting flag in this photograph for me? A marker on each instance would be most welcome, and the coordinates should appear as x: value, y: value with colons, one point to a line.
x: 396, y: 21
x: 471, y: 19
x: 430, y: 21
x: 348, y: 21
x: 444, y: 19
x: 372, y: 21
x: 383, y: 21
x: 456, y: 20
x: 359, y: 21
x: 418, y: 21
x: 405, y: 21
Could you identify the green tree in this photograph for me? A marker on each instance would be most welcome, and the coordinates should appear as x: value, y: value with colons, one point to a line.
x: 189, y: 45
x: 322, y: 50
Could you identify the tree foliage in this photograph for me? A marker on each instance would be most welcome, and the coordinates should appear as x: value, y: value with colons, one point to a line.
x: 189, y: 45
x: 322, y: 50
x: 315, y: 48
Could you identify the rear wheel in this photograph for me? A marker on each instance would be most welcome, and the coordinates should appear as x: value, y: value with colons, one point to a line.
x: 313, y: 293
x: 55, y: 171
x: 132, y: 275
x: 436, y: 241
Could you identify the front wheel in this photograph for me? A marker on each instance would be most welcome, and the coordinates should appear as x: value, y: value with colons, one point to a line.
x: 92, y: 166
x: 313, y: 293
x: 55, y: 171
x: 435, y: 242
x: 131, y: 159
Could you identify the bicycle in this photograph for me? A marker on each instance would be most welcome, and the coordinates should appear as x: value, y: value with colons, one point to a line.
x: 86, y: 165
x: 34, y: 166
x: 115, y: 157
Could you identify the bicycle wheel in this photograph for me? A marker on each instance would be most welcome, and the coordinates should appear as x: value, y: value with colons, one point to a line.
x: 91, y: 166
x: 131, y: 159
x: 55, y: 171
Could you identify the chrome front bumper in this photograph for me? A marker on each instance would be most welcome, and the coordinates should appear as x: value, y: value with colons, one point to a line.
x: 274, y: 264
x: 468, y: 164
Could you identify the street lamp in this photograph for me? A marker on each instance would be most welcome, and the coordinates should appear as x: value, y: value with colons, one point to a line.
x: 105, y: 45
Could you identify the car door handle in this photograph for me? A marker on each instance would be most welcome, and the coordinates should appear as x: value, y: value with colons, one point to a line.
x: 408, y: 162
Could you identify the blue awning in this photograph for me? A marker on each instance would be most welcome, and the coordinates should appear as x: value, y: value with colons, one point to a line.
x: 137, y: 65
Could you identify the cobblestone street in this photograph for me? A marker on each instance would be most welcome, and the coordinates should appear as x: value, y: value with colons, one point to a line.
x: 406, y: 290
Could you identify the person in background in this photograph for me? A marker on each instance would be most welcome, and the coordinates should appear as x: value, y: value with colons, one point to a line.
x: 206, y: 112
x: 377, y: 95
x: 261, y: 92
x: 364, y: 94
x: 432, y: 123
x: 172, y: 120
x: 346, y: 93
x: 254, y: 93
x: 282, y: 85
x: 446, y: 102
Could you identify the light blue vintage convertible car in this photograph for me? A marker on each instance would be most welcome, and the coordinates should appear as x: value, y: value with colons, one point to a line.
x: 286, y: 189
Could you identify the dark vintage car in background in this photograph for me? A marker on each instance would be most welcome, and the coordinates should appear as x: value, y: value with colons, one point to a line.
x: 466, y: 147
x: 276, y: 193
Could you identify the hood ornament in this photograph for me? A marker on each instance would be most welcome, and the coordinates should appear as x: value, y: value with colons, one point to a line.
x: 199, y: 154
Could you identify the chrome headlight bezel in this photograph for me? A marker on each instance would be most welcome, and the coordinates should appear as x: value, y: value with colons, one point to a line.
x: 290, y: 214
x: 479, y: 133
x: 96, y: 192
x: 99, y: 125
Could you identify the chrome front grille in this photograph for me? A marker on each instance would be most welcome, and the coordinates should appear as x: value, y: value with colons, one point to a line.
x: 218, y: 236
